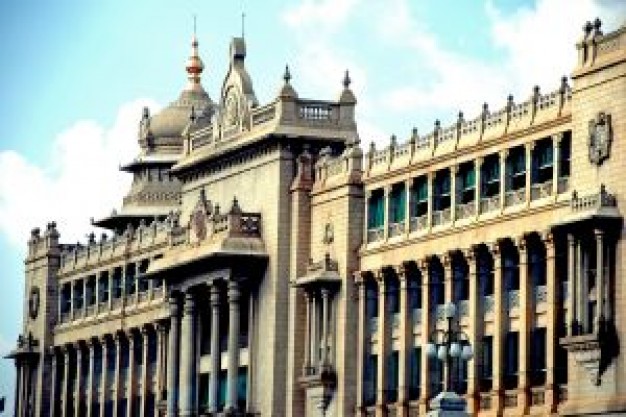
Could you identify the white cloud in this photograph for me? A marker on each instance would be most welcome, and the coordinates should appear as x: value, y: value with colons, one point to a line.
x: 321, y: 14
x: 539, y: 41
x: 81, y: 180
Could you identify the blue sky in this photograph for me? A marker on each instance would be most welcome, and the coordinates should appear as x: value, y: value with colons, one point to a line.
x: 75, y: 75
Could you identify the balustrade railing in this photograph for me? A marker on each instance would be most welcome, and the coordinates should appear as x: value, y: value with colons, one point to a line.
x: 515, y: 197
x: 510, y: 398
x: 537, y: 396
x: 466, y: 211
x: 485, y: 401
x: 442, y: 217
x: 542, y: 190
x: 375, y: 234
x: 396, y: 229
x: 488, y: 204
x: 488, y: 304
x: 512, y: 299
x: 597, y: 200
x: 418, y: 223
x: 540, y: 294
x: 416, y: 316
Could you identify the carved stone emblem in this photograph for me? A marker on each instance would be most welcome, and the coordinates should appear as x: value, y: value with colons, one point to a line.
x: 600, y: 138
x: 33, y: 303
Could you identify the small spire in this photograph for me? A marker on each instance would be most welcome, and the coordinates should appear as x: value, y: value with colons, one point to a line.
x: 347, y: 80
x: 287, y: 76
x: 194, y: 66
x: 347, y: 96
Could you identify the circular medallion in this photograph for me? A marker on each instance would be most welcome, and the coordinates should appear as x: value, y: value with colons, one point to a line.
x: 33, y: 303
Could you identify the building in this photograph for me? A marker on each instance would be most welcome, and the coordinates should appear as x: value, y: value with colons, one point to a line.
x: 261, y: 263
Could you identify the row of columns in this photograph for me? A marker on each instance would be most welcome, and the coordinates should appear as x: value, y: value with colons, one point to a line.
x: 75, y: 313
x: 61, y: 393
x: 317, y: 346
x: 579, y: 287
x: 474, y: 329
x: 24, y: 390
x: 478, y: 162
x: 182, y: 368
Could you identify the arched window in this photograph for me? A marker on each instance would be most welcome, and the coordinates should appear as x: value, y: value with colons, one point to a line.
x: 510, y: 268
x: 435, y: 271
x: 460, y: 278
x: 484, y: 271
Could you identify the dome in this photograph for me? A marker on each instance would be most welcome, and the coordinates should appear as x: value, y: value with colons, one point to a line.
x: 172, y: 120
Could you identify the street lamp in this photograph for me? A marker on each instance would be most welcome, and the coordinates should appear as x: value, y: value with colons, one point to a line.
x: 447, y: 346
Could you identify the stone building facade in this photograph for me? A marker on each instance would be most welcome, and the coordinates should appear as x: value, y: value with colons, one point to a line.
x: 263, y: 264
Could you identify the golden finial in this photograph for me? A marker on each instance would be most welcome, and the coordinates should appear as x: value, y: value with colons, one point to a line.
x: 194, y: 65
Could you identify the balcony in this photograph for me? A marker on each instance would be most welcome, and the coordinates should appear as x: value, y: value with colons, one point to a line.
x: 418, y: 223
x: 515, y: 197
x: 375, y: 234
x: 512, y: 299
x: 466, y: 211
x: 542, y: 190
x: 489, y: 204
x: 540, y: 294
x: 488, y: 304
x: 442, y: 217
x: 396, y: 229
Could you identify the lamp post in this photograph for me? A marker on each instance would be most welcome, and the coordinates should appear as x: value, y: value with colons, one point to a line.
x: 447, y: 346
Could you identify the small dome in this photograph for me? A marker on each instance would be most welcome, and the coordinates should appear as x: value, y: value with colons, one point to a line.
x: 172, y: 120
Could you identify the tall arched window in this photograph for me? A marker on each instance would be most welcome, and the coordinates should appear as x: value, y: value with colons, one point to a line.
x: 435, y: 271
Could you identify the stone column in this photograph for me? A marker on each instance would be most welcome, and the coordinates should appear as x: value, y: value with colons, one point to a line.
x: 79, y: 380
x: 110, y: 283
x: 478, y: 163
x: 571, y: 287
x: 91, y: 376
x: 551, y: 330
x: 453, y: 200
x: 448, y: 282
x: 173, y: 358
x: 130, y: 374
x: 360, y: 279
x: 187, y: 358
x: 581, y: 288
x: 556, y: 164
x: 104, y: 382
x: 600, y: 280
x: 503, y: 155
x: 474, y: 330
x: 145, y: 338
x: 117, y: 384
x: 526, y: 311
x: 53, y: 382
x: 498, y: 330
x: 528, y: 147
x: 161, y: 363
x: 315, y: 351
x: 368, y: 196
x: 386, y: 208
x: 215, y: 349
x: 407, y: 206
x: 233, y: 345
x: 84, y: 297
x: 429, y: 202
x: 405, y: 339
x: 307, y: 335
x: 425, y: 334
x: 65, y: 389
x: 325, y: 324
x: 17, y: 403
x: 383, y: 353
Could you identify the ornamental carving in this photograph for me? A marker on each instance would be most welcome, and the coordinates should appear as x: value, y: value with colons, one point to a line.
x: 231, y: 109
x: 600, y: 138
x: 588, y: 355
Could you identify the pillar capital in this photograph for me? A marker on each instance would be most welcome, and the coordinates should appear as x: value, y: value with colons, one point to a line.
x: 571, y: 239
x: 190, y: 303
x: 215, y: 295
x: 598, y: 233
x: 174, y: 306
x: 162, y: 326
x: 234, y: 293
